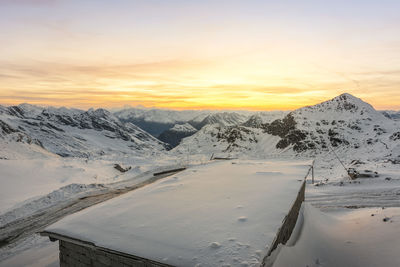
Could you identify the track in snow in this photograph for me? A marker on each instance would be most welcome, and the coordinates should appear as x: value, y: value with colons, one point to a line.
x: 19, y: 229
x: 356, y: 199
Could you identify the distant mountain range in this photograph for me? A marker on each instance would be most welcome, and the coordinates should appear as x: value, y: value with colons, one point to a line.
x: 394, y: 115
x: 342, y: 122
x: 73, y: 132
x: 156, y: 121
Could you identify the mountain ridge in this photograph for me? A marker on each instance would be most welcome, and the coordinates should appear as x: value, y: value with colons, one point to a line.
x: 344, y: 121
x: 72, y: 132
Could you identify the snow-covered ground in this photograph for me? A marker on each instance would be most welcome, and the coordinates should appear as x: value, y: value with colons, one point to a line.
x: 347, y: 222
x: 30, y: 172
x: 35, y: 181
x: 361, y: 237
x: 327, y: 229
x: 35, y: 251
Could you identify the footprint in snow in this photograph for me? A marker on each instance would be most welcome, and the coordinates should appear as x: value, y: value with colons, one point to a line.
x: 242, y: 219
x: 215, y: 245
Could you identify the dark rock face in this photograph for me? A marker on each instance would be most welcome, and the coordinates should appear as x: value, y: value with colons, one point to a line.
x: 15, y: 111
x: 286, y: 129
x: 395, y: 136
x: 234, y: 133
x: 7, y: 129
x: 295, y: 138
x: 279, y: 127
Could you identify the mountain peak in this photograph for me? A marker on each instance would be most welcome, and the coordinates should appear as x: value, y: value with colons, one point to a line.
x: 346, y: 97
x: 342, y: 103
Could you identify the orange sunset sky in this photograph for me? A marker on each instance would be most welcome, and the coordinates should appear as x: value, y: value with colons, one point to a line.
x: 259, y: 55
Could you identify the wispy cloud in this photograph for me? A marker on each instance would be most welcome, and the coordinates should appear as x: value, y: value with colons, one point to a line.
x: 165, y: 84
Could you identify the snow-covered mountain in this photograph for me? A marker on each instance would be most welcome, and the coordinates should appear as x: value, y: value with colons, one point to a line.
x: 73, y: 132
x: 220, y: 118
x: 259, y: 118
x: 156, y: 121
x: 391, y: 114
x: 174, y: 135
x: 344, y: 122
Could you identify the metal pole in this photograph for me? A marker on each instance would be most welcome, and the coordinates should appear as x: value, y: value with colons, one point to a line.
x: 312, y: 174
x: 312, y: 171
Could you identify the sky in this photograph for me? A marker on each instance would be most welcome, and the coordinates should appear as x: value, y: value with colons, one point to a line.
x: 257, y: 55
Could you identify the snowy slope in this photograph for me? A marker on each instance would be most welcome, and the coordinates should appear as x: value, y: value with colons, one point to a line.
x: 72, y: 132
x: 174, y: 135
x: 347, y: 121
x: 44, y: 149
x: 344, y: 122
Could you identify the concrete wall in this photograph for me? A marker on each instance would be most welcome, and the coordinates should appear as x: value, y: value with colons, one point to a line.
x: 81, y: 256
x: 289, y: 222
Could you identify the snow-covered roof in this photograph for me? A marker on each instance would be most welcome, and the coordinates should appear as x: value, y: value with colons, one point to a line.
x: 219, y: 213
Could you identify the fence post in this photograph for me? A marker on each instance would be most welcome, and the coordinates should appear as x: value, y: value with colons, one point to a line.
x: 312, y: 172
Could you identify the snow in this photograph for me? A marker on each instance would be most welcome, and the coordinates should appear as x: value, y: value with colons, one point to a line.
x: 183, y: 128
x: 36, y: 251
x: 22, y: 183
x: 344, y: 123
x: 220, y: 213
x: 171, y: 116
x: 391, y: 114
x: 159, y: 115
x: 344, y: 238
x: 223, y: 119
x: 33, y: 178
x: 342, y: 223
x: 76, y: 133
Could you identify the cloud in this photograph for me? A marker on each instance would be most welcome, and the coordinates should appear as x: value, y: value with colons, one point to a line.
x: 179, y: 84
